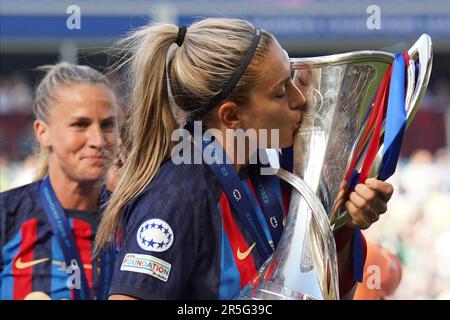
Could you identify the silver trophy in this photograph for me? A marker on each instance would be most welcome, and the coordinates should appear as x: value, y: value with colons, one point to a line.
x: 339, y: 90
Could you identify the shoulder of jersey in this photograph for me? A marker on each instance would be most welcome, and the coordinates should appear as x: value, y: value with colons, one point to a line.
x: 18, y: 194
x: 17, y: 204
x: 185, y: 183
x: 182, y: 176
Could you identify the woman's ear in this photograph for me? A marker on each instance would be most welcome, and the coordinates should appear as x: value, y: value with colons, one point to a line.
x: 41, y: 131
x: 228, y: 115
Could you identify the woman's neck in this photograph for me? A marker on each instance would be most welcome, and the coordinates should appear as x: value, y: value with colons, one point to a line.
x: 239, y: 155
x: 82, y: 196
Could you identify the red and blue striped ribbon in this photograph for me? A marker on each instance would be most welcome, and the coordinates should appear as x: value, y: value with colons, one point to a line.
x: 389, y: 105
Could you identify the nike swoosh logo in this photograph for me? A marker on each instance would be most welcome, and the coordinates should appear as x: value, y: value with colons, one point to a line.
x: 243, y: 255
x: 23, y: 265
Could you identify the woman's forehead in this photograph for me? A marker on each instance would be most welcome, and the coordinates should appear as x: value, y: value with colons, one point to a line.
x: 275, y: 66
x: 84, y: 98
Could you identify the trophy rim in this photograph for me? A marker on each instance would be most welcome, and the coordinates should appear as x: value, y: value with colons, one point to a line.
x: 341, y: 58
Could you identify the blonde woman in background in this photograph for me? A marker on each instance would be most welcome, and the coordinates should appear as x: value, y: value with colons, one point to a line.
x: 47, y: 227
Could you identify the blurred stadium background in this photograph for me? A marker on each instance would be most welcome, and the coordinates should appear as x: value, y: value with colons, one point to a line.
x: 417, y: 225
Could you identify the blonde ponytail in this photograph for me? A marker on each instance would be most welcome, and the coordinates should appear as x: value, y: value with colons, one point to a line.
x: 151, y: 121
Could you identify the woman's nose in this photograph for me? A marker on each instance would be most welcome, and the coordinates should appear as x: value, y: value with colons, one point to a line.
x: 96, y: 137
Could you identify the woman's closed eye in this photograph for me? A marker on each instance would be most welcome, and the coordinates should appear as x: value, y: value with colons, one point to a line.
x: 80, y: 124
x: 281, y: 93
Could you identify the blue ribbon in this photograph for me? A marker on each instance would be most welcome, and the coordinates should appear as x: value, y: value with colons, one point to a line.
x: 61, y: 229
x: 353, y: 181
x: 271, y: 207
x: 395, y: 119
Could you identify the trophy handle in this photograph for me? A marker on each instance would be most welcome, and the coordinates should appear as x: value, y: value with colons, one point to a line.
x: 421, y: 51
x: 323, y: 223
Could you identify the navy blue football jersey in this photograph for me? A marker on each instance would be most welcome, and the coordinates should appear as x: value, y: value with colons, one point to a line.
x: 32, y: 263
x: 180, y: 238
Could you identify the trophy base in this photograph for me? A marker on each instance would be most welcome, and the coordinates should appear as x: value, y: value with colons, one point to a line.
x: 267, y: 290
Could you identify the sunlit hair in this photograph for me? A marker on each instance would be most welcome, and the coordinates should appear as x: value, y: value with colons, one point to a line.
x: 61, y: 74
x: 211, y: 52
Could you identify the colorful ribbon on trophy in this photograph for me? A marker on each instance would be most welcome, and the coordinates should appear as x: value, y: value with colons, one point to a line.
x: 389, y: 105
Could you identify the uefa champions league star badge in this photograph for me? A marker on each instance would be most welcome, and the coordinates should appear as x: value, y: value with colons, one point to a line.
x: 155, y: 235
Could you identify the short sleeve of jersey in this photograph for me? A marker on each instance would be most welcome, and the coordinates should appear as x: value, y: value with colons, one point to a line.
x: 161, y: 240
x: 15, y: 206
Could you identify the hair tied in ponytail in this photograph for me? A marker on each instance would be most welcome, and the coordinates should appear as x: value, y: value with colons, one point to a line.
x: 181, y: 34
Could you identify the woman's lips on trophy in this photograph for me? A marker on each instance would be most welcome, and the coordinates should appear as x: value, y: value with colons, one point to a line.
x: 298, y: 122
